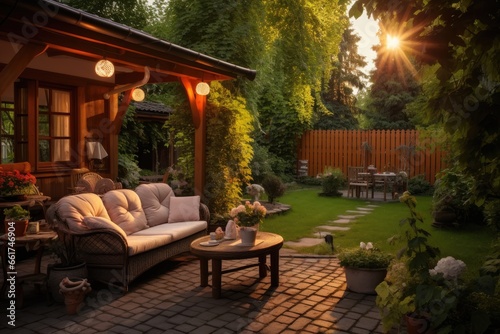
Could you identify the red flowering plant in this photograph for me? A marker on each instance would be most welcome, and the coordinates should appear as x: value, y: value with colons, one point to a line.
x: 15, y: 182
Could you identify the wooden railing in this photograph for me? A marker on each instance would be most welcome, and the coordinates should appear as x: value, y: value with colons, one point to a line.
x: 388, y: 150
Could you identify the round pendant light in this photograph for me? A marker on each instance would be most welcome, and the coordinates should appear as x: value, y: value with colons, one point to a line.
x: 138, y: 94
x: 202, y: 88
x: 104, y: 68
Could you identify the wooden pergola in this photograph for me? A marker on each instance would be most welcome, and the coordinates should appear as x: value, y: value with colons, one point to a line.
x: 45, y: 27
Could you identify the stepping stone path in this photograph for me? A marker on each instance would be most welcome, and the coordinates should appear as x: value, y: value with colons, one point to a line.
x: 339, y: 224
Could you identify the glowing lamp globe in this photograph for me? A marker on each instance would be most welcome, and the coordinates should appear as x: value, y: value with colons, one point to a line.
x: 138, y: 94
x: 104, y: 68
x: 202, y: 88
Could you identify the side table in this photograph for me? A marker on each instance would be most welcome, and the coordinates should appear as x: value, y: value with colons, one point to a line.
x: 30, y: 242
x: 267, y: 244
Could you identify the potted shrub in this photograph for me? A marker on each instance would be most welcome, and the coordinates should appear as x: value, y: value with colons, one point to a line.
x: 365, y: 267
x: 17, y: 217
x: 67, y: 263
x: 248, y: 217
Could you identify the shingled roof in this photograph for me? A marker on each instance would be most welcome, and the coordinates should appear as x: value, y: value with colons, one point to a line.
x: 147, y: 109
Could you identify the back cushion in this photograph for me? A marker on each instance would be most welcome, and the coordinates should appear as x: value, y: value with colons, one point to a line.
x: 125, y: 210
x: 155, y: 198
x: 75, y: 207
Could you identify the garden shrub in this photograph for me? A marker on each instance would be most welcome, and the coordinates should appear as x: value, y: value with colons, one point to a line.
x: 418, y: 185
x: 274, y: 187
x: 128, y: 171
x: 332, y: 181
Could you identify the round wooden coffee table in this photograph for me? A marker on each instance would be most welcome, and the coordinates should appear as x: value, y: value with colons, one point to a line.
x: 266, y: 244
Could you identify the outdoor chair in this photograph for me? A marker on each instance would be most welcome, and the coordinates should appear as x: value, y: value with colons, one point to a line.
x: 357, y: 182
x: 76, y: 174
x: 91, y: 182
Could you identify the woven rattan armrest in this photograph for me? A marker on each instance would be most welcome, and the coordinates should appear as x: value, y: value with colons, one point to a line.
x: 204, y: 213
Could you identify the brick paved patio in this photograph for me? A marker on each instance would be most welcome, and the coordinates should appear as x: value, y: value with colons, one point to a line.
x: 311, y: 298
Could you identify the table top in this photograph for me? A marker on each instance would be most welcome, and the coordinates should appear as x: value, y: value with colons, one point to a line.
x: 29, y: 201
x: 232, y: 249
x: 40, y: 236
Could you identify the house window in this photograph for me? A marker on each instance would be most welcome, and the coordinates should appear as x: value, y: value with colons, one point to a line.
x: 54, y: 123
x: 7, y: 131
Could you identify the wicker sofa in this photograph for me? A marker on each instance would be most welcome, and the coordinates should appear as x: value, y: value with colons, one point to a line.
x: 123, y: 233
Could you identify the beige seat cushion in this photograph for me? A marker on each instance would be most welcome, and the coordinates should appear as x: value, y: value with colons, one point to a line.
x: 125, y: 210
x: 155, y: 198
x: 176, y: 231
x: 74, y: 208
x: 142, y: 243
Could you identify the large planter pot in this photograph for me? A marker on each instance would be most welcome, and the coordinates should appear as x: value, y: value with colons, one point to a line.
x: 444, y: 218
x: 17, y: 226
x: 363, y: 280
x: 57, y: 272
x: 248, y: 235
x: 418, y: 325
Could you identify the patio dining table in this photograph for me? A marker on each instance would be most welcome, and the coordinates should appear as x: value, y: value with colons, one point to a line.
x: 384, y: 179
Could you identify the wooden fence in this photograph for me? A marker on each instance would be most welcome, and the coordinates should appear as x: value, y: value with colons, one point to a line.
x: 388, y: 150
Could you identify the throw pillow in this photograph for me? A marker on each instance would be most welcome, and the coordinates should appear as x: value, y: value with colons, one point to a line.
x: 183, y: 209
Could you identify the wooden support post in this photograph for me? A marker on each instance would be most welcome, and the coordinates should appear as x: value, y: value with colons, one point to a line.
x: 18, y: 63
x: 197, y: 104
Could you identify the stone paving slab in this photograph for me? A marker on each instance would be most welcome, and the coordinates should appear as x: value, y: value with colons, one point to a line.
x: 333, y: 228
x: 349, y: 216
x: 341, y: 221
x: 364, y: 209
x: 358, y: 212
x: 311, y: 298
x: 305, y: 242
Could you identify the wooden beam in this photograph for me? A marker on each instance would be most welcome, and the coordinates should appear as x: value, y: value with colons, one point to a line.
x: 18, y: 63
x: 197, y: 104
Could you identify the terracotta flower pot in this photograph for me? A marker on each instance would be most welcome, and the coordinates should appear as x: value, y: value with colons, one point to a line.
x: 74, y: 292
x: 418, y: 325
x: 19, y: 227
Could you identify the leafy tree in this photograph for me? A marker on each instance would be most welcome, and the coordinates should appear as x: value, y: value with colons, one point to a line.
x: 300, y: 38
x: 133, y: 13
x: 461, y: 39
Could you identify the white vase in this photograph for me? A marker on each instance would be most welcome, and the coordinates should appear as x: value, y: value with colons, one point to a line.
x: 248, y: 235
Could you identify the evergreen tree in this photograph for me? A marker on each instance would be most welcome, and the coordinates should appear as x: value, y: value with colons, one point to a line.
x: 337, y: 95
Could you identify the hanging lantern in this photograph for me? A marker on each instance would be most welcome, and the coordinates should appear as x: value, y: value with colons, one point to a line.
x: 202, y: 88
x: 138, y: 94
x: 104, y: 68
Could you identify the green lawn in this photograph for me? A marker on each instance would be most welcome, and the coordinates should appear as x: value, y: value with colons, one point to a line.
x: 309, y: 210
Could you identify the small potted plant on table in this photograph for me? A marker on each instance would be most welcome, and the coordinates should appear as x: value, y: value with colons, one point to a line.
x: 365, y: 267
x: 18, y: 217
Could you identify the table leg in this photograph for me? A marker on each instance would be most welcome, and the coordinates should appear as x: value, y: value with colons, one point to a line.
x: 385, y: 189
x: 275, y: 268
x: 203, y: 272
x: 38, y: 262
x: 262, y: 266
x: 216, y: 277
